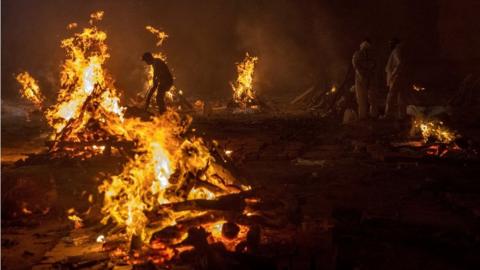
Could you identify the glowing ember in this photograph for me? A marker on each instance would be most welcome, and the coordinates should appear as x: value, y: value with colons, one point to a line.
x: 243, y: 92
x: 418, y: 88
x: 72, y: 25
x: 100, y: 239
x: 25, y: 209
x: 30, y: 89
x: 228, y: 153
x: 217, y: 235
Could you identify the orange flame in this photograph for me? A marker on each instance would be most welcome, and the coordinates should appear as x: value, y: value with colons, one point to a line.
x: 161, y: 36
x: 30, y: 89
x: 435, y: 129
x: 243, y: 92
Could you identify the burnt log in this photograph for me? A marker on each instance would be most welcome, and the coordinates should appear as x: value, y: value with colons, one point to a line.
x: 230, y: 202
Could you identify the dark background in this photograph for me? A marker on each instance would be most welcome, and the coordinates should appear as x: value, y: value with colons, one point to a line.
x: 297, y: 42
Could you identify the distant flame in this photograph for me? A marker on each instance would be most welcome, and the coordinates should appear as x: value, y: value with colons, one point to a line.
x: 418, y: 88
x: 243, y: 92
x: 436, y: 130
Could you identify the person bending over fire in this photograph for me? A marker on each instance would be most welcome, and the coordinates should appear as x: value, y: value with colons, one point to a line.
x: 162, y: 81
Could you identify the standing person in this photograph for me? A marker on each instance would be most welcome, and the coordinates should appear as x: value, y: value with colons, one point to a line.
x: 396, y: 81
x: 364, y: 66
x: 162, y: 81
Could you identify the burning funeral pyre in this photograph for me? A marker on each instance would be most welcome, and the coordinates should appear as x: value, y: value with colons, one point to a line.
x: 172, y: 194
x: 244, y: 95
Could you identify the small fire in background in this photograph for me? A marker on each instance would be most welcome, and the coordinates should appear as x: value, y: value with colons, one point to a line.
x: 418, y: 88
x: 435, y: 130
x: 30, y: 89
x: 243, y: 92
x: 332, y: 90
x: 438, y: 138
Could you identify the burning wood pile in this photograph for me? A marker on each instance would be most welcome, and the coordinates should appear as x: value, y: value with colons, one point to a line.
x: 245, y: 98
x: 430, y: 140
x: 172, y: 195
x: 87, y: 115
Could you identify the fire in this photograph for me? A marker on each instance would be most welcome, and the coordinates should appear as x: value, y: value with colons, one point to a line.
x: 30, y: 89
x: 72, y: 25
x: 25, y: 209
x: 228, y: 153
x: 96, y: 16
x: 418, y: 88
x: 243, y: 92
x: 87, y: 102
x: 161, y: 36
x: 77, y: 221
x: 165, y: 167
x: 162, y: 174
x: 81, y: 74
x: 216, y: 234
x: 435, y: 129
x: 100, y: 239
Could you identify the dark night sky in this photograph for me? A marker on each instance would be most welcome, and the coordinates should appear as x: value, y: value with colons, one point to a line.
x: 297, y: 41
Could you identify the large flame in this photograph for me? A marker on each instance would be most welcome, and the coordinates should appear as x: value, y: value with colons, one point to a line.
x: 243, y: 92
x: 164, y: 173
x: 30, y: 89
x: 166, y: 167
x: 88, y: 103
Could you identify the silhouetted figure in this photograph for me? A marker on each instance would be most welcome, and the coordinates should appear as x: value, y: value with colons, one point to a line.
x: 162, y: 81
x: 397, y: 81
x: 364, y: 65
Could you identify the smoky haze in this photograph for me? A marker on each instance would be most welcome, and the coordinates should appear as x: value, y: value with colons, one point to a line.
x: 297, y: 42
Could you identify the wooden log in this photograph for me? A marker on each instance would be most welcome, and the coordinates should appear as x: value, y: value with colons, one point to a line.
x: 231, y: 202
x: 303, y: 96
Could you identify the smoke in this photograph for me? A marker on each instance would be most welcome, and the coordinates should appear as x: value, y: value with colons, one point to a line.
x: 298, y: 42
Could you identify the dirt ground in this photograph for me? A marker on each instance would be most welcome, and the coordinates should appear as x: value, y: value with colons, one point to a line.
x: 359, y: 211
